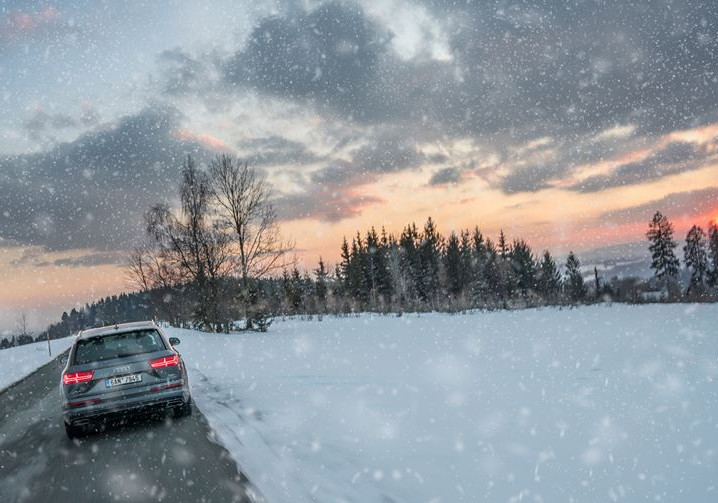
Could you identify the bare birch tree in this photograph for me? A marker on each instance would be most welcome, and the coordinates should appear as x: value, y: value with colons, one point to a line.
x: 186, y: 249
x: 244, y: 202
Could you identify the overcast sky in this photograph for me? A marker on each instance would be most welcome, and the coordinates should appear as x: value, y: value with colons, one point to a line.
x: 567, y: 123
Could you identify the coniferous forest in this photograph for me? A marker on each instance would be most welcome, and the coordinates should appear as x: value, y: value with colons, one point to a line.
x: 419, y: 270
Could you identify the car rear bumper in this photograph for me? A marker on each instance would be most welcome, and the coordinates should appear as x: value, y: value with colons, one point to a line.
x: 154, y: 402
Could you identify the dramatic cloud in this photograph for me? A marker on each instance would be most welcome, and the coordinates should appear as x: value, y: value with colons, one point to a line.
x: 445, y: 176
x: 91, y: 193
x: 276, y: 150
x: 672, y: 159
x: 327, y: 206
x: 182, y: 73
x: 691, y: 205
x: 542, y: 91
x: 331, y: 193
x: 515, y: 73
x: 329, y: 56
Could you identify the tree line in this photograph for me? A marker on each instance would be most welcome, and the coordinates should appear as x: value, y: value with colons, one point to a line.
x: 420, y: 269
x: 221, y: 257
x: 700, y: 258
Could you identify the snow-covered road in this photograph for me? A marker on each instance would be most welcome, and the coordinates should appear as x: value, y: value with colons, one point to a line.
x: 16, y: 363
x: 593, y: 404
x: 143, y: 461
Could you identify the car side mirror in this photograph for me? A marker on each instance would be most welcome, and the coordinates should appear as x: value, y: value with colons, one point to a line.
x: 174, y: 341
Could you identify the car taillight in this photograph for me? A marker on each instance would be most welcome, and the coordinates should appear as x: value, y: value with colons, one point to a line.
x: 167, y: 361
x: 76, y: 377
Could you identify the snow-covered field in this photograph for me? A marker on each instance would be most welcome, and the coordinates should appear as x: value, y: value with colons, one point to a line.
x: 17, y: 363
x: 594, y: 404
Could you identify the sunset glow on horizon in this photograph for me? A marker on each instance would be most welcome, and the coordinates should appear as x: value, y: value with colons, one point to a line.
x: 376, y: 114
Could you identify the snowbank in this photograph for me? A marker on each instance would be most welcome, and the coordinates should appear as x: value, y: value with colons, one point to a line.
x: 17, y: 363
x: 593, y: 404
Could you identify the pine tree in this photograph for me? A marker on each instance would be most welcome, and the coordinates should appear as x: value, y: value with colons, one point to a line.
x: 713, y: 254
x: 696, y: 258
x: 576, y: 288
x: 549, y: 277
x: 663, y: 258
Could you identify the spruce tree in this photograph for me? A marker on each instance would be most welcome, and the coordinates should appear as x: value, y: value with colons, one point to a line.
x: 455, y: 274
x: 363, y: 282
x: 467, y: 260
x: 506, y: 277
x: 375, y: 267
x: 479, y: 257
x: 713, y: 254
x: 491, y: 274
x: 523, y: 267
x: 342, y: 269
x: 549, y: 277
x: 696, y: 259
x: 410, y: 260
x: 320, y: 286
x: 308, y: 300
x: 663, y: 258
x: 430, y: 257
x: 503, y: 246
x: 576, y: 288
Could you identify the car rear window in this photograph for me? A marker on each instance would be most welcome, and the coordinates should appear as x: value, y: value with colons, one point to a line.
x: 107, y: 347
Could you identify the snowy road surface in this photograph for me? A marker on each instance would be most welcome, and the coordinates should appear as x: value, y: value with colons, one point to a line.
x: 146, y: 461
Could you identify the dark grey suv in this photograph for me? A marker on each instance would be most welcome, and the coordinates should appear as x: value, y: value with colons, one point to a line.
x: 120, y: 371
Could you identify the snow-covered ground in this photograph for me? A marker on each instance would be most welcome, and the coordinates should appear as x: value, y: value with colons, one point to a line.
x: 594, y: 404
x: 17, y: 363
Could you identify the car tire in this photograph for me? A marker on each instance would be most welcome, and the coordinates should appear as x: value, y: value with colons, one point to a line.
x: 73, y: 432
x: 183, y: 410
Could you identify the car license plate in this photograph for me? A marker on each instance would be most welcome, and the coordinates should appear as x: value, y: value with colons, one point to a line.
x: 118, y: 381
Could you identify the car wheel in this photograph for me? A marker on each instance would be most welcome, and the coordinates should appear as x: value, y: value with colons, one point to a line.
x: 74, y: 431
x: 183, y: 410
